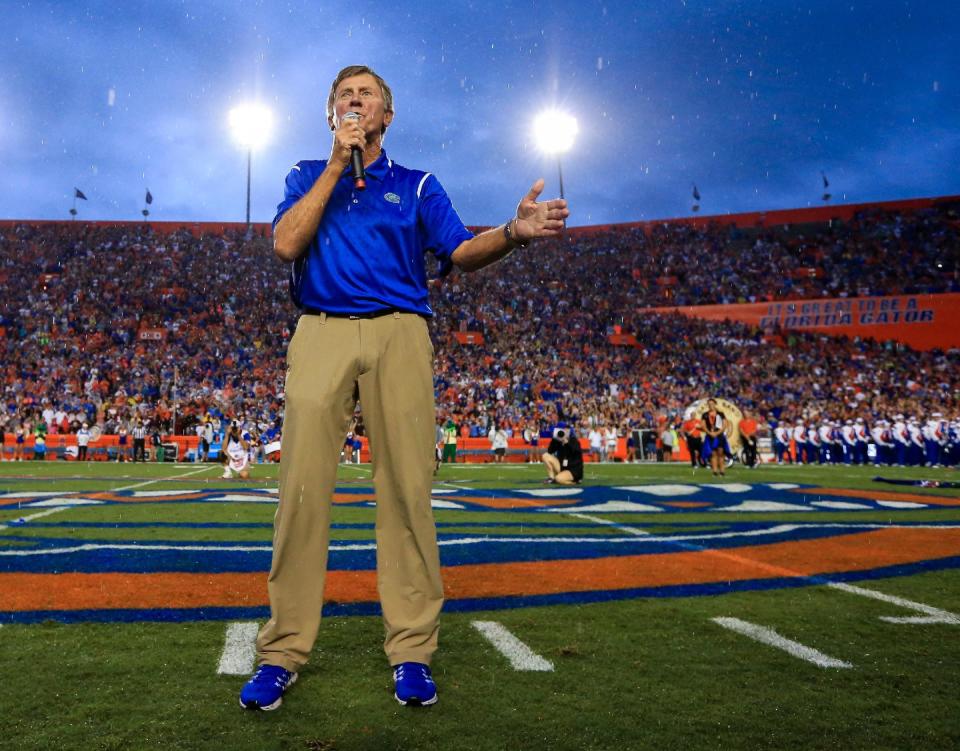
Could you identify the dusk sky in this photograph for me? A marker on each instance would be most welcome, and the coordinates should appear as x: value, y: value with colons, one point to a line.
x: 750, y: 101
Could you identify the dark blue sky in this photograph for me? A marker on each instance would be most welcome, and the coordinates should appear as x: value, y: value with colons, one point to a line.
x: 749, y: 100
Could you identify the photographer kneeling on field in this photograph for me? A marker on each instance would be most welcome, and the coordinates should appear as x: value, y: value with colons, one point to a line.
x: 564, y: 458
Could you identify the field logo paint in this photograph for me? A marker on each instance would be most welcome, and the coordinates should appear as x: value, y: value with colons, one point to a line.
x: 646, y: 498
x: 49, y: 572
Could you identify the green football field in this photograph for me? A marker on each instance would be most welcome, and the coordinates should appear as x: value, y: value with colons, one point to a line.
x: 779, y: 608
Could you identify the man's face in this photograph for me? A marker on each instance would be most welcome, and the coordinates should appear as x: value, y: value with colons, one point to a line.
x: 361, y: 94
x: 711, y: 404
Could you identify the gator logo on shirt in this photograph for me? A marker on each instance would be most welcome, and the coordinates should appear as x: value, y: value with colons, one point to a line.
x: 392, y: 197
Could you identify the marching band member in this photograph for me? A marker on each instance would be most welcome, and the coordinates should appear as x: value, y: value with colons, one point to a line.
x: 901, y: 440
x: 800, y: 439
x: 915, y: 450
x: 781, y: 444
x: 862, y: 436
x: 849, y: 435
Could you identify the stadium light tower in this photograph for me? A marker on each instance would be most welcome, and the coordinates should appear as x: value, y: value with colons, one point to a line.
x: 554, y: 132
x: 251, y: 125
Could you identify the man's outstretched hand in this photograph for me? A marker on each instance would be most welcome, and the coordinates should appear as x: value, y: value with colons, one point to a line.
x: 539, y: 219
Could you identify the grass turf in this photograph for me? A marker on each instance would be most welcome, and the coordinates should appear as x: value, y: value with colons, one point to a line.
x: 649, y: 673
x: 642, y: 673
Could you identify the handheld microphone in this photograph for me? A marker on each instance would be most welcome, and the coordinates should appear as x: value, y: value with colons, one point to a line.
x: 356, y: 159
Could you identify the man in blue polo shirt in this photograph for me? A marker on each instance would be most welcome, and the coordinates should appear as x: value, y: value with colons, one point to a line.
x: 359, y: 276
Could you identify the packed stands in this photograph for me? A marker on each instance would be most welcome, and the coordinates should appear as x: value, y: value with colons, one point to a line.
x: 104, y: 323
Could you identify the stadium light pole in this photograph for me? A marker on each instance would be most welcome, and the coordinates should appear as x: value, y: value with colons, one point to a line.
x: 554, y: 133
x: 251, y: 125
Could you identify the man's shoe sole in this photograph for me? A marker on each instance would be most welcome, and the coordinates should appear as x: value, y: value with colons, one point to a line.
x: 277, y: 703
x: 417, y: 702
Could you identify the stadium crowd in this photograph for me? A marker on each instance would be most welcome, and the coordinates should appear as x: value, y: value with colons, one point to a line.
x: 105, y: 324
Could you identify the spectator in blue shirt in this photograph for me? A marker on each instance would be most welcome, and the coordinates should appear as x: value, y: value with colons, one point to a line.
x: 358, y: 274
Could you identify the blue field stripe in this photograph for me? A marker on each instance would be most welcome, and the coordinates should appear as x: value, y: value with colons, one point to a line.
x: 139, y: 525
x: 142, y: 559
x: 331, y: 609
x: 269, y: 525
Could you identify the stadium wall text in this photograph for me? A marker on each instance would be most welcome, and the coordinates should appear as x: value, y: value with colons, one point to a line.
x: 921, y: 321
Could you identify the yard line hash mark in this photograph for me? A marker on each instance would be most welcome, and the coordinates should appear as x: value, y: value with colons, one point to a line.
x: 521, y: 657
x: 239, y: 649
x: 772, y: 638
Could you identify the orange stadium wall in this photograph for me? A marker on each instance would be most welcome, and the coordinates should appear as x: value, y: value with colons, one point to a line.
x: 920, y: 321
x: 57, y: 442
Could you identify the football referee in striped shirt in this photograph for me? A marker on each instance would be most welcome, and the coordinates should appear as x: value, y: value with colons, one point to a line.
x: 139, y: 433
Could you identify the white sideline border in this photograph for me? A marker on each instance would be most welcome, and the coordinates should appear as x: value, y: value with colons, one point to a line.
x: 771, y: 638
x: 239, y: 649
x: 521, y: 657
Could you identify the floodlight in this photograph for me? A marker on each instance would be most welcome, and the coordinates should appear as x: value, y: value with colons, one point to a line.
x: 554, y: 131
x: 251, y: 124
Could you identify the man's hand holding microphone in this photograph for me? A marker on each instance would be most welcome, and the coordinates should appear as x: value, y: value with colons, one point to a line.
x: 348, y: 143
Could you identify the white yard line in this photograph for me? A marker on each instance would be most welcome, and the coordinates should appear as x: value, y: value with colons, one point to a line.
x: 488, y: 466
x: 639, y: 537
x: 239, y: 649
x: 521, y: 657
x: 455, y: 484
x: 359, y: 467
x: 608, y: 522
x: 930, y: 613
x: 47, y: 512
x: 772, y: 638
x: 161, y: 479
x: 39, y: 514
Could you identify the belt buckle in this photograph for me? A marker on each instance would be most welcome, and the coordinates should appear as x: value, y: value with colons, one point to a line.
x: 353, y: 318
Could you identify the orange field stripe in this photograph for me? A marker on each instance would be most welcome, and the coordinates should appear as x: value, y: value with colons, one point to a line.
x: 881, y: 495
x: 115, y: 498
x: 353, y: 497
x: 807, y: 557
x: 856, y: 552
x: 14, y: 501
x: 684, y: 504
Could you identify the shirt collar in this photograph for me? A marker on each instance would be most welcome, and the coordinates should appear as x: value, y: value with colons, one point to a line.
x: 377, y: 170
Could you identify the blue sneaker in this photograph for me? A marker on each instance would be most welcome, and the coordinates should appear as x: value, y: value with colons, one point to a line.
x: 415, y: 687
x: 265, y: 690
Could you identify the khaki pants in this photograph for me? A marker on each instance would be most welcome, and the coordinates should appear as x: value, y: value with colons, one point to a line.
x: 388, y: 363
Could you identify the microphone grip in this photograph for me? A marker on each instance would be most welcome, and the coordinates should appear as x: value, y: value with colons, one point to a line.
x: 356, y: 164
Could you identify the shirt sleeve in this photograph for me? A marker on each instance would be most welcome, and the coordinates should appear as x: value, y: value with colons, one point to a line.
x: 294, y: 189
x: 441, y: 229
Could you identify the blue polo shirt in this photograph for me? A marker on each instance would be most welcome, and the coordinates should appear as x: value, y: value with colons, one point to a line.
x: 370, y: 246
